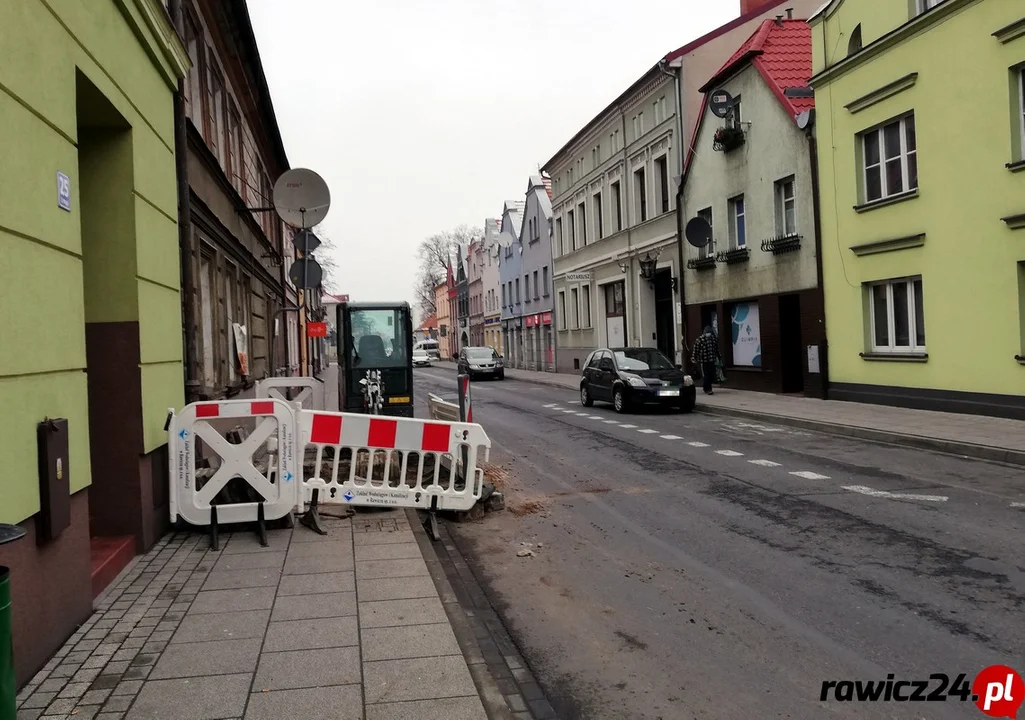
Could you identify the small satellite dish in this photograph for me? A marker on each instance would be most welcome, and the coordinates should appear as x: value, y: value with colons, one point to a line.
x: 721, y: 103
x: 804, y: 119
x: 301, y: 198
x: 698, y: 232
x: 504, y: 240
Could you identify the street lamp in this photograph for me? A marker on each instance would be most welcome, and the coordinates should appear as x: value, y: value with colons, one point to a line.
x: 648, y: 266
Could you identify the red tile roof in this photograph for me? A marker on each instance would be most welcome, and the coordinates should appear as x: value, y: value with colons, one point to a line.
x: 781, y: 51
x: 429, y: 324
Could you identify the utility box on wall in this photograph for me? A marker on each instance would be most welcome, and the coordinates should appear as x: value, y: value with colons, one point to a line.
x: 54, y: 485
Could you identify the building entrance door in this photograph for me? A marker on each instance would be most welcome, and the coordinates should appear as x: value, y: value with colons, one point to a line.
x: 791, y: 350
x: 665, y: 331
x: 615, y: 314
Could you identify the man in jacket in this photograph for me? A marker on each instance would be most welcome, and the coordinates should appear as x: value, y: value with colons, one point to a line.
x: 705, y: 354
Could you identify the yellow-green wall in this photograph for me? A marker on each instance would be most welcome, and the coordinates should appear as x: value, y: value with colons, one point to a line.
x: 128, y: 50
x: 961, y: 100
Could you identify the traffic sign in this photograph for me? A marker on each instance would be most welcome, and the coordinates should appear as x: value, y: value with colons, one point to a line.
x: 306, y: 241
x: 306, y: 273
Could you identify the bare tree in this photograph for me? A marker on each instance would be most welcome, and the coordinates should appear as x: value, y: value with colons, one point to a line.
x: 327, y: 258
x: 435, y: 254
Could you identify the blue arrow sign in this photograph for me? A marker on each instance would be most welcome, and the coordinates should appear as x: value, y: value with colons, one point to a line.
x: 348, y: 496
x: 288, y: 477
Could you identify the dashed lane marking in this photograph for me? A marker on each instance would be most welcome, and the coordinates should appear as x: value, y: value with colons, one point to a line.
x: 698, y: 444
x: 646, y: 431
x: 670, y: 437
x: 729, y: 453
x: 628, y: 427
x: 611, y: 422
x: 594, y: 417
x: 764, y: 463
x: 809, y: 475
x: 863, y: 490
x: 550, y: 405
x: 1018, y: 505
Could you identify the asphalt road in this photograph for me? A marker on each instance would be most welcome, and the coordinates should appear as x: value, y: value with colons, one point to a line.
x: 696, y: 566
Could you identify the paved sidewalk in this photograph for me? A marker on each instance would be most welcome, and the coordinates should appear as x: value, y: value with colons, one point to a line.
x: 977, y: 436
x: 348, y: 625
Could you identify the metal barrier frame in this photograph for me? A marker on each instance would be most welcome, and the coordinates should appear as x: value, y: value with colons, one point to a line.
x: 272, y: 387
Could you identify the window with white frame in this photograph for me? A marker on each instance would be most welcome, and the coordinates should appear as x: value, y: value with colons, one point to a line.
x: 786, y: 207
x: 890, y: 157
x: 572, y: 244
x: 544, y: 280
x: 640, y: 195
x: 738, y: 223
x: 662, y: 178
x: 558, y: 237
x: 582, y: 218
x: 617, y: 207
x: 708, y: 249
x: 897, y: 316
x: 599, y: 217
x: 562, y: 310
x: 574, y: 301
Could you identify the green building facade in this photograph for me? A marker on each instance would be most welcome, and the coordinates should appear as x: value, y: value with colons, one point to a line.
x: 91, y: 325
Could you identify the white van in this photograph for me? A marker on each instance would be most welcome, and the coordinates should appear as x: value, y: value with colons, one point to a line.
x: 430, y: 347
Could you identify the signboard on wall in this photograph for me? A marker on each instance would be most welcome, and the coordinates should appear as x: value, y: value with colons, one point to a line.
x: 746, y: 335
x: 615, y: 327
x: 578, y: 277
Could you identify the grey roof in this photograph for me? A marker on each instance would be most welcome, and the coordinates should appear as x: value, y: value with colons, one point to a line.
x: 514, y: 208
x: 537, y: 185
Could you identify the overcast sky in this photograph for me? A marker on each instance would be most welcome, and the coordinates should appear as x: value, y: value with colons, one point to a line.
x: 425, y: 115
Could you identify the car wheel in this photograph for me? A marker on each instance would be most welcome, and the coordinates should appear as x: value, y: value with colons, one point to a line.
x: 585, y: 397
x: 687, y: 402
x: 501, y: 375
x: 619, y: 400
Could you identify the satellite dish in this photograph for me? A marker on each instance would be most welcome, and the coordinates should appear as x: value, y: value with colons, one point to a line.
x: 721, y: 103
x: 698, y: 232
x: 804, y: 119
x: 301, y: 198
x: 504, y: 240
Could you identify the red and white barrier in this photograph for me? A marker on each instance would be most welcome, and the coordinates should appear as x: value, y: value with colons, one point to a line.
x: 276, y: 387
x: 274, y: 436
x: 402, y: 462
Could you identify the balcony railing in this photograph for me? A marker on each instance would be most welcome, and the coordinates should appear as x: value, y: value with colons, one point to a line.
x: 782, y: 244
x: 734, y: 255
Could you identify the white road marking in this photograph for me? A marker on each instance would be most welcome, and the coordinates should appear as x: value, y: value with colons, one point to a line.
x: 809, y: 475
x: 729, y: 453
x: 764, y: 463
x: 612, y: 422
x: 895, y: 495
x: 628, y: 427
x: 579, y: 414
x: 670, y: 437
x: 550, y: 405
x: 698, y: 444
x: 1018, y: 505
x: 647, y: 432
x: 594, y: 417
x: 569, y: 411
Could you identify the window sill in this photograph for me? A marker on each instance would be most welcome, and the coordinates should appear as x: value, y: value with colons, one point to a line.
x: 1016, y: 167
x: 895, y: 357
x: 887, y: 201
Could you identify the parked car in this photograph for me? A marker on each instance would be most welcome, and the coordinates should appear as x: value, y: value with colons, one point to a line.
x: 431, y: 347
x: 421, y: 358
x: 629, y: 377
x: 481, y: 361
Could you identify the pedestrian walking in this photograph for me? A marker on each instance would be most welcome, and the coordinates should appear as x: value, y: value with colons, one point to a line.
x: 705, y: 355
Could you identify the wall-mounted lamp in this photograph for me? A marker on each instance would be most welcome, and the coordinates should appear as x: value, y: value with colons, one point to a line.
x: 648, y: 266
x: 623, y: 267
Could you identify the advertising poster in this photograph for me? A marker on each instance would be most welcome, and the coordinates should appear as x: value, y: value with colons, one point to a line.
x: 746, y: 334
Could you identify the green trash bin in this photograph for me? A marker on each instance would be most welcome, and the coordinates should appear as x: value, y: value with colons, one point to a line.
x: 8, y: 683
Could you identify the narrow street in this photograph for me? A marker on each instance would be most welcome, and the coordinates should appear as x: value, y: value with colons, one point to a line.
x: 702, y: 566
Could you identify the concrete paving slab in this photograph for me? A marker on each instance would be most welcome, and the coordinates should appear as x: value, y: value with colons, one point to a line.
x: 421, y: 679
x: 320, y: 549
x: 277, y: 540
x: 318, y: 564
x: 225, y: 601
x: 207, y: 658
x: 312, y: 584
x: 396, y: 588
x: 307, y: 669
x: 383, y: 538
x: 312, y: 607
x: 391, y: 568
x: 311, y: 634
x: 340, y: 702
x: 411, y: 641
x: 388, y: 551
x: 222, y: 626
x: 397, y: 613
x: 337, y: 531
x: 234, y: 579
x: 247, y: 561
x: 200, y: 698
x: 461, y: 708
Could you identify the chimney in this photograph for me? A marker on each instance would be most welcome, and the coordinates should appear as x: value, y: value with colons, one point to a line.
x: 748, y: 6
